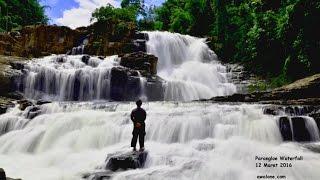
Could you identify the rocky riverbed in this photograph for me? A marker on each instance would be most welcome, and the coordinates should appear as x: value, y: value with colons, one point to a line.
x: 302, y: 92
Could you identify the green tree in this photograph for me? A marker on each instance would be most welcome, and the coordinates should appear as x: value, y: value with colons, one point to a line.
x: 18, y: 13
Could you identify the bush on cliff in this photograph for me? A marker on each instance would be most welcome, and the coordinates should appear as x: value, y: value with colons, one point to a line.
x: 119, y: 20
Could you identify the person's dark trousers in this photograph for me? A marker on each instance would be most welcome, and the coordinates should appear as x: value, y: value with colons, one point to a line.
x: 138, y: 132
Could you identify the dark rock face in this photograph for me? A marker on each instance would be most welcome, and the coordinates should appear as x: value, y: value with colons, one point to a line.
x: 285, y: 128
x: 38, y: 41
x: 291, y: 110
x: 41, y: 102
x: 131, y: 160
x: 2, y: 174
x: 304, y: 91
x: 293, y: 123
x: 125, y: 85
x: 17, y: 65
x: 145, y: 63
x: 5, y: 103
x: 118, y: 162
x: 3, y: 109
x: 42, y: 40
x: 272, y: 110
x: 32, y: 112
x: 23, y: 104
x: 85, y: 59
x: 299, y: 128
x: 141, y: 35
x: 140, y: 45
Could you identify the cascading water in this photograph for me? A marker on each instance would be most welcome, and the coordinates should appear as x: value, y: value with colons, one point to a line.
x: 184, y: 140
x: 188, y: 65
x: 69, y: 78
x: 190, y: 68
x: 143, y: 82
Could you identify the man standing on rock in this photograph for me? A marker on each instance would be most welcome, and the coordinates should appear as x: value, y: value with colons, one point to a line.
x: 138, y: 116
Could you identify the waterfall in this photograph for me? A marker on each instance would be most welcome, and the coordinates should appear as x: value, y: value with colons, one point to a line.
x: 189, y: 66
x: 312, y: 128
x: 143, y: 82
x: 185, y: 141
x: 69, y: 78
x: 78, y: 50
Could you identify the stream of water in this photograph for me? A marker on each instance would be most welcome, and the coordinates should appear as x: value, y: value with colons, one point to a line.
x: 185, y: 139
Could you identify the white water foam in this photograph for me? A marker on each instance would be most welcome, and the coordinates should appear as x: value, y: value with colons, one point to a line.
x: 189, y: 66
x: 184, y: 140
x: 69, y: 78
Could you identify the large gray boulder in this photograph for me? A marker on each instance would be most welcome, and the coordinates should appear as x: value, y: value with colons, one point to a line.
x: 145, y: 63
x: 125, y: 85
x: 2, y: 174
x: 130, y: 160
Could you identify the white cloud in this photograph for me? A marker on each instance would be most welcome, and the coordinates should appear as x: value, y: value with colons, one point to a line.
x: 80, y: 16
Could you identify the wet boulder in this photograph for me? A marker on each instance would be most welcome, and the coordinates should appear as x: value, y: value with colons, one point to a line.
x: 124, y: 84
x: 140, y: 45
x: 3, y: 109
x: 145, y: 63
x: 295, y: 130
x: 5, y: 103
x: 272, y: 110
x: 130, y: 160
x: 41, y: 102
x: 17, y: 65
x: 2, y: 174
x: 23, y: 104
x: 85, y: 59
x: 141, y: 35
x: 32, y: 112
x: 300, y: 130
x: 285, y: 128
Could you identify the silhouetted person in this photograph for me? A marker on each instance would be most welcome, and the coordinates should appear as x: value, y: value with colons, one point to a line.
x: 138, y: 116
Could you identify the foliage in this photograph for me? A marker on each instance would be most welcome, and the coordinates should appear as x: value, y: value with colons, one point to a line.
x: 110, y: 14
x: 117, y: 22
x: 18, y: 13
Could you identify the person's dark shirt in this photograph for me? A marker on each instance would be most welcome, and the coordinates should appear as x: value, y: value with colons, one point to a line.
x: 138, y: 115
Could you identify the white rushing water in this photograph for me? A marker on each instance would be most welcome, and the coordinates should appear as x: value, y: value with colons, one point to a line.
x: 69, y: 78
x: 189, y: 66
x: 184, y: 140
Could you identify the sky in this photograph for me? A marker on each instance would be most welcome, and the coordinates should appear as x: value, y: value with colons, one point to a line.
x: 76, y: 13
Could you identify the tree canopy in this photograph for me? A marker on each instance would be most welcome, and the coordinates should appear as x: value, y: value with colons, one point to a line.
x: 17, y: 13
